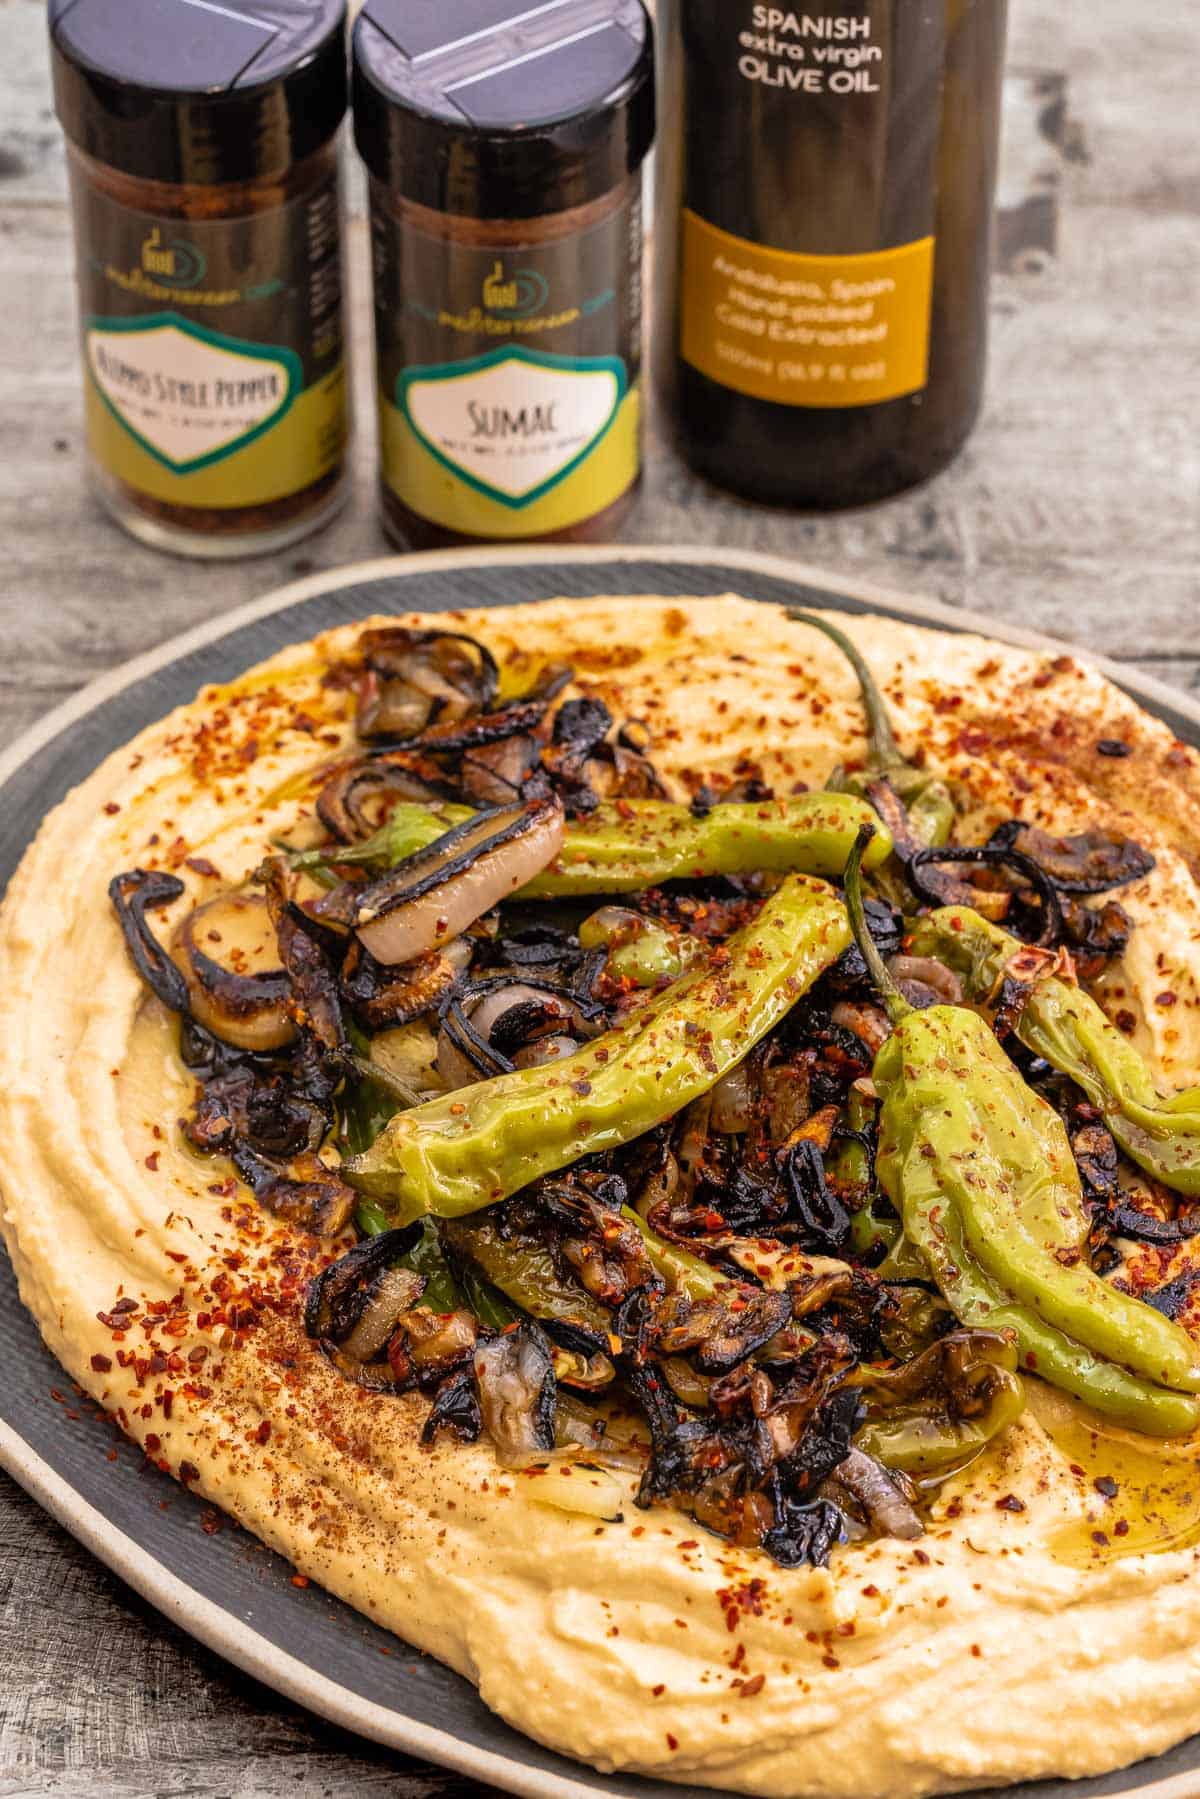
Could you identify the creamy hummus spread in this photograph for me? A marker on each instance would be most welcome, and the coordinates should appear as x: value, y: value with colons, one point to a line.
x: 1048, y: 1621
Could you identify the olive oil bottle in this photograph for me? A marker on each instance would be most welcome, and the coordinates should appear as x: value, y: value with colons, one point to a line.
x: 825, y: 193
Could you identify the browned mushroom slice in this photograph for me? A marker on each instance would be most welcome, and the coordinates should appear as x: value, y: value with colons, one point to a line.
x: 414, y: 679
x: 497, y: 774
x: 434, y: 895
x: 515, y: 1377
x: 228, y: 954
x: 383, y: 998
x: 1090, y: 862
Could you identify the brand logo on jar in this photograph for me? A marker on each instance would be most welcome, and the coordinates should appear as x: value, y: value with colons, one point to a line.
x: 515, y: 296
x: 175, y: 264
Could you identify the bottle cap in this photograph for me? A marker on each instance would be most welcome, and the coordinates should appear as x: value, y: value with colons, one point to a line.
x: 503, y: 109
x: 199, y: 91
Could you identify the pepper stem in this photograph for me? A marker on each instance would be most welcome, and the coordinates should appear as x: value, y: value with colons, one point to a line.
x: 883, y: 752
x: 894, y: 1002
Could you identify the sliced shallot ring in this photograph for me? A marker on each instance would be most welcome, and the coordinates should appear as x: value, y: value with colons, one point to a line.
x: 246, y: 1004
x: 438, y: 892
x: 339, y: 803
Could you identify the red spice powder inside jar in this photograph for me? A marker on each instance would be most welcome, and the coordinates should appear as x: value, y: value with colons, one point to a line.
x: 204, y: 178
x: 504, y: 146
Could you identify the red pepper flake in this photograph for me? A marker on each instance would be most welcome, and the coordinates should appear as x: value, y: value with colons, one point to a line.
x: 300, y: 1580
x: 201, y: 865
x: 1010, y: 1503
x: 153, y: 1443
x: 672, y: 1742
x: 1100, y: 1537
x: 263, y: 1433
x: 112, y: 808
x: 830, y: 1661
x: 101, y: 1363
x: 210, y: 1522
x: 1166, y: 998
x: 1106, y: 1485
x: 188, y: 1472
x: 976, y: 1650
x: 152, y: 1161
x: 752, y: 1686
x: 1126, y: 1021
x: 692, y: 1543
x: 659, y: 1690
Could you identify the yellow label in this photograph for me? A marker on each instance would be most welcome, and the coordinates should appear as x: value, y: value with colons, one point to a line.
x: 296, y: 449
x: 417, y: 468
x: 805, y: 330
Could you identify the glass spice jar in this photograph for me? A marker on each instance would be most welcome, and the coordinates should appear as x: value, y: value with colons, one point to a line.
x: 203, y: 150
x: 504, y: 146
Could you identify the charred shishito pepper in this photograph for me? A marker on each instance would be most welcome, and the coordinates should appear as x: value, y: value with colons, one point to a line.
x: 626, y: 846
x: 1058, y: 1021
x: 459, y: 1153
x: 980, y: 1170
x: 923, y: 794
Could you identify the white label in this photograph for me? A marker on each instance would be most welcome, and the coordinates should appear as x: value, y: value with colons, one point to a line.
x: 511, y: 423
x: 187, y: 399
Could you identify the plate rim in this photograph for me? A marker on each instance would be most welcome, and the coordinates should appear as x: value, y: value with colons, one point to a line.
x: 203, y: 1618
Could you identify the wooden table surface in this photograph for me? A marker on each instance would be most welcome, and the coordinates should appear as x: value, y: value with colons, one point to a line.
x: 1076, y: 508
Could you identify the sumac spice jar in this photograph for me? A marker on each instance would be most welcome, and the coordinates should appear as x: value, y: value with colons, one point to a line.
x: 504, y: 145
x: 204, y: 177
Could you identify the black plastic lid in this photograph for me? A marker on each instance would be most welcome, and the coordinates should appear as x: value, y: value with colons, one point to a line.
x: 201, y: 91
x: 503, y: 109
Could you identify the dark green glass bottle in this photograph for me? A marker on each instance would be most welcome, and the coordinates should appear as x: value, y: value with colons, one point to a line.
x: 825, y: 190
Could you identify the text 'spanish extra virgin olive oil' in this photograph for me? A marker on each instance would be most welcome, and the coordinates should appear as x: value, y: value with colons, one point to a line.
x: 825, y: 197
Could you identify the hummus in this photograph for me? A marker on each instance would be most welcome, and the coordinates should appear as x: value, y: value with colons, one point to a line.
x: 1044, y: 1625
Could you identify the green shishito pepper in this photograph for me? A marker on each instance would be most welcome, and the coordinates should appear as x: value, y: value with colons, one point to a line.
x: 980, y: 1170
x: 466, y: 1150
x: 925, y: 796
x: 627, y: 845
x: 409, y: 827
x: 1066, y: 1026
x: 524, y: 1271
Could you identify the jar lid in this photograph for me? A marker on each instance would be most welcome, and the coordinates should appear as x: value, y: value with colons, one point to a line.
x: 196, y: 91
x: 502, y: 109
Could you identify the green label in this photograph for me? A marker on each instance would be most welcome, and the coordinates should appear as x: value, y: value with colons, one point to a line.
x: 509, y: 392
x: 213, y: 348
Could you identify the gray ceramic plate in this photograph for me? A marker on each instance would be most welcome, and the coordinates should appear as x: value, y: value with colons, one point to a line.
x: 242, y: 1603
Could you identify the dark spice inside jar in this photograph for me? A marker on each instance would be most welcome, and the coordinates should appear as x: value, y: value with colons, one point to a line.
x: 204, y: 175
x: 506, y: 226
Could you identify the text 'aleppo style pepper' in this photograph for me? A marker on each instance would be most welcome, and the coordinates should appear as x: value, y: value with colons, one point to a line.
x: 980, y: 1170
x: 468, y: 1149
x: 626, y: 845
x: 1065, y: 1025
x: 925, y: 797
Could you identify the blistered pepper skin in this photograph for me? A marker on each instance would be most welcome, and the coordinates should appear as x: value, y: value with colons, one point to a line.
x: 980, y: 1170
x: 1067, y: 1027
x: 468, y: 1149
x: 625, y: 846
